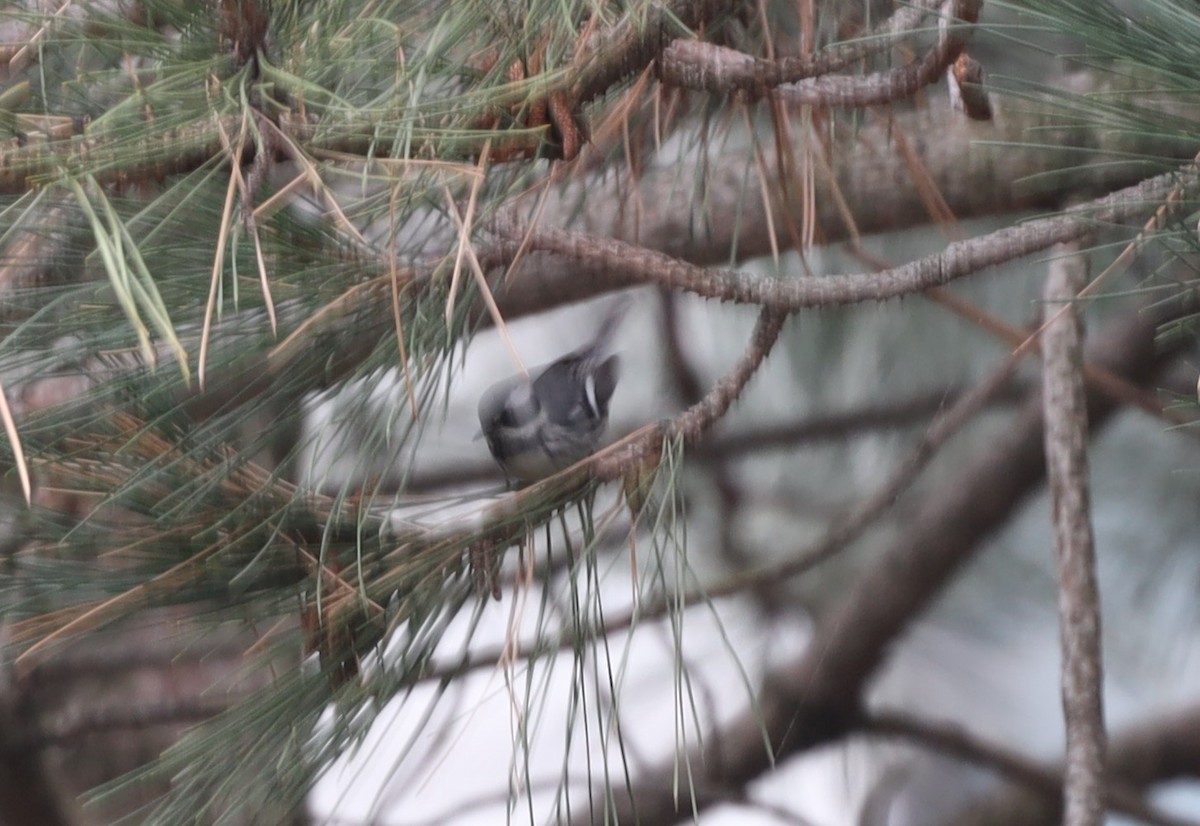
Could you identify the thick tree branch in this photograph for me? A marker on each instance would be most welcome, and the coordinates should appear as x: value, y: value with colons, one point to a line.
x: 978, y: 169
x: 29, y: 796
x: 149, y: 712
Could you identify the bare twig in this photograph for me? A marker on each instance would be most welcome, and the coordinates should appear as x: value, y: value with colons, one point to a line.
x: 749, y: 72
x: 694, y: 422
x: 1046, y: 782
x: 817, y: 698
x: 689, y: 388
x: 1078, y: 593
x: 722, y: 71
x: 620, y: 264
x: 1119, y: 389
x: 1156, y: 750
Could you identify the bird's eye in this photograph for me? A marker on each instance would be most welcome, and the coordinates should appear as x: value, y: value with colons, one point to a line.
x: 507, y: 417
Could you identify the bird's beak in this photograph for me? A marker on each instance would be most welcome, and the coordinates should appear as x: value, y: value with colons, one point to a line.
x: 478, y: 435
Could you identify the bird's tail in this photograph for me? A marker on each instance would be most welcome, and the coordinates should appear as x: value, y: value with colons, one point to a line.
x: 614, y: 314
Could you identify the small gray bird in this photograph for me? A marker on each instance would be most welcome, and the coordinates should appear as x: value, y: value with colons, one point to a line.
x: 536, y: 425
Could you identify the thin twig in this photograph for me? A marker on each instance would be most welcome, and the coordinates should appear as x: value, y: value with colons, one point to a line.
x: 1154, y: 223
x: 774, y: 71
x: 1157, y: 750
x: 692, y: 64
x: 688, y: 388
x: 694, y: 422
x: 1119, y: 389
x: 1078, y: 594
x: 1047, y: 782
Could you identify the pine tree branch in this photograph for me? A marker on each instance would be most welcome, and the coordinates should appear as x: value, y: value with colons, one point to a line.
x: 608, y: 58
x: 842, y: 532
x: 402, y: 545
x: 546, y: 281
x: 599, y: 265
